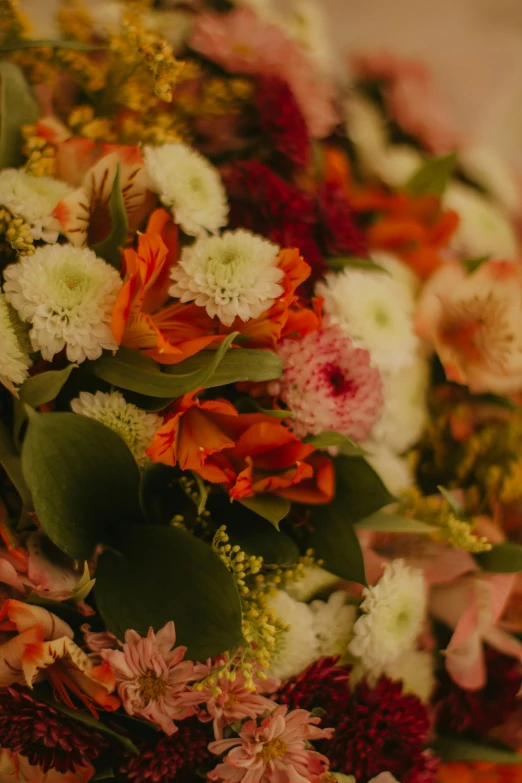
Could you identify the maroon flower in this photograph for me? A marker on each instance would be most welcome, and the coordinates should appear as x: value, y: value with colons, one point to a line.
x: 467, y: 712
x: 381, y: 729
x: 341, y: 233
x: 281, y: 119
x: 44, y: 735
x: 165, y: 759
x: 323, y: 685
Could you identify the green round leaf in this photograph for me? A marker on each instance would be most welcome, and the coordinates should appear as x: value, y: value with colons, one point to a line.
x: 503, y: 558
x: 239, y: 365
x: 83, y: 479
x: 165, y: 574
x: 45, y: 387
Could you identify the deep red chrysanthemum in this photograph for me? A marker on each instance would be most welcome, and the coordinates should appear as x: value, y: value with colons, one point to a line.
x: 467, y: 712
x: 44, y: 735
x: 281, y: 119
x: 323, y: 685
x: 341, y: 233
x: 382, y: 729
x: 169, y: 759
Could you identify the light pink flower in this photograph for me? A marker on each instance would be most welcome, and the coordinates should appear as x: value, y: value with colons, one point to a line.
x: 474, y: 322
x: 152, y: 677
x: 242, y: 42
x: 328, y: 384
x: 275, y: 751
x: 412, y: 100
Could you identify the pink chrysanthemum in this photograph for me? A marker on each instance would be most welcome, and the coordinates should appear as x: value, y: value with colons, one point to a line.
x: 328, y: 384
x: 241, y: 42
x: 273, y: 752
x: 152, y: 677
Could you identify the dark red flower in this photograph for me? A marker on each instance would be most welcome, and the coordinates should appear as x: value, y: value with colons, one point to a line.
x: 169, y: 759
x: 425, y: 770
x: 341, y: 233
x: 381, y: 729
x: 323, y: 685
x: 466, y: 712
x: 281, y: 119
x: 45, y: 736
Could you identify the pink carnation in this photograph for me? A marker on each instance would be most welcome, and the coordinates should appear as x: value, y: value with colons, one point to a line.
x: 273, y: 752
x: 152, y: 678
x: 328, y: 384
x: 241, y: 42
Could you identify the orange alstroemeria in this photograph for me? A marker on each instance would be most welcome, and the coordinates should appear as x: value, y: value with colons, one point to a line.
x: 480, y: 772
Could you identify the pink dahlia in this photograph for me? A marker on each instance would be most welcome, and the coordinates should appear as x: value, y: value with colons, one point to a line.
x: 275, y: 751
x: 152, y: 678
x: 328, y: 384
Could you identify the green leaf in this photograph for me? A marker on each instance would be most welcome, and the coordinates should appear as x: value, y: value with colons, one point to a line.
x: 455, y: 506
x: 472, y: 264
x: 104, y: 774
x: 454, y: 749
x: 503, y: 558
x: 384, y: 522
x: 331, y: 438
x: 12, y: 464
x: 270, y: 507
x: 109, y: 248
x: 24, y: 43
x: 129, y: 370
x: 258, y: 537
x: 83, y: 479
x: 332, y: 537
x: 239, y: 365
x: 168, y: 574
x: 18, y: 108
x: 161, y: 495
x: 202, y: 492
x: 45, y: 387
x: 362, y: 488
x: 432, y: 177
x: 338, y: 263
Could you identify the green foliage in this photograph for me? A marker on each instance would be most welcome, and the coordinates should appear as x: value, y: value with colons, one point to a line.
x: 385, y: 522
x: 330, y: 438
x: 12, y: 464
x: 269, y: 507
x: 503, y: 558
x: 456, y: 749
x: 239, y: 365
x: 45, y: 387
x: 432, y: 177
x: 109, y: 248
x: 18, y: 107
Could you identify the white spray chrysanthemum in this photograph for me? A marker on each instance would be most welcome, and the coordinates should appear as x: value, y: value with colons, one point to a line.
x: 376, y: 311
x: 393, y: 469
x: 14, y: 356
x: 333, y: 622
x: 415, y: 669
x: 134, y: 426
x: 297, y: 647
x: 231, y: 276
x: 67, y: 294
x: 33, y: 199
x: 314, y: 581
x: 189, y: 186
x: 393, y: 612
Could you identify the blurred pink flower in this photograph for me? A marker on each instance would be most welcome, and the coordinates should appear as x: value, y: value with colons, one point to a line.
x: 474, y: 322
x: 151, y: 677
x: 242, y: 42
x: 273, y: 752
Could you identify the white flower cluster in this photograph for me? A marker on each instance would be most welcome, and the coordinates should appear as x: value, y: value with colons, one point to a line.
x: 14, y: 356
x: 33, y: 199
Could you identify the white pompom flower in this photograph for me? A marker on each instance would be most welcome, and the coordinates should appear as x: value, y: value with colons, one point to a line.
x: 14, y: 355
x: 376, y: 311
x: 67, y: 294
x: 136, y: 427
x: 232, y: 276
x: 393, y: 613
x: 297, y: 647
x: 333, y: 622
x: 189, y: 186
x: 314, y: 581
x: 33, y: 199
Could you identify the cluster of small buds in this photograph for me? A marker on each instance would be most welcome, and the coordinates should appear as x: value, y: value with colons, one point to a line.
x: 74, y: 21
x: 91, y: 72
x: 238, y: 563
x: 12, y: 19
x: 16, y: 233
x: 155, y: 128
x: 40, y: 154
x: 83, y: 121
x: 224, y: 96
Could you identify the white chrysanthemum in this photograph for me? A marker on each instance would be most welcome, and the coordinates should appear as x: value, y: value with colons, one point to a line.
x: 483, y: 227
x: 297, y: 647
x: 14, y: 357
x: 398, y: 163
x: 405, y: 412
x: 189, y: 186
x: 415, y: 668
x: 394, y: 470
x: 67, y: 294
x: 231, y: 276
x: 314, y: 581
x: 366, y: 128
x: 333, y: 622
x: 488, y: 169
x: 376, y: 311
x: 134, y: 426
x: 393, y: 611
x: 33, y: 199
x: 399, y: 270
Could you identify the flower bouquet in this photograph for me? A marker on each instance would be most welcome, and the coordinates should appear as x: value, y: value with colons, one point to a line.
x: 260, y: 434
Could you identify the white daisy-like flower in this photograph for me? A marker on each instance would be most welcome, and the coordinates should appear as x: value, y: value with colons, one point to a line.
x: 398, y: 163
x: 366, y: 127
x: 297, y: 647
x: 136, y: 427
x: 394, y: 470
x: 405, y: 411
x: 400, y: 271
x: 67, y: 294
x: 307, y: 25
x: 483, y: 228
x: 189, y: 186
x: 488, y: 169
x: 333, y: 622
x: 415, y: 669
x: 33, y: 199
x: 231, y: 276
x: 14, y: 356
x: 393, y: 611
x: 314, y: 581
x: 376, y: 311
